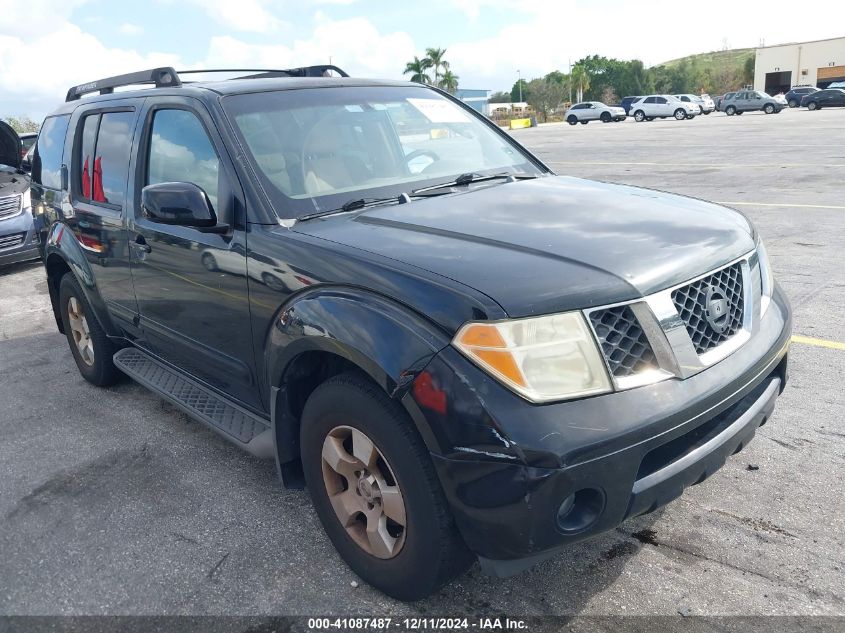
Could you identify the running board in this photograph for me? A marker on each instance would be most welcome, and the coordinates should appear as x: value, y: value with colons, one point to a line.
x: 236, y: 424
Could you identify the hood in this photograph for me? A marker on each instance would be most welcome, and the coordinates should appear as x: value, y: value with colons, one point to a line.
x: 10, y: 146
x: 551, y: 244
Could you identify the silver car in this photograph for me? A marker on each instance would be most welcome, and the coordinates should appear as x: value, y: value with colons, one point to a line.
x: 662, y: 106
x: 705, y: 105
x: 594, y: 111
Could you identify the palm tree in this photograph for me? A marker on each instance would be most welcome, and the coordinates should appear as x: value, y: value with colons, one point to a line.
x: 436, y: 58
x: 581, y: 78
x: 449, y: 81
x: 417, y: 69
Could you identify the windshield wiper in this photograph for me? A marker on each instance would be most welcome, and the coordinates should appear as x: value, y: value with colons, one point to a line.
x: 468, y: 178
x: 351, y: 205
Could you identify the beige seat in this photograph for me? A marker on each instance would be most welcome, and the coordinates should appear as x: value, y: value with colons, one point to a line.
x: 323, y: 168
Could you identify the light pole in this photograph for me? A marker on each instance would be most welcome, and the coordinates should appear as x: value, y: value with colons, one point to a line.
x: 519, y: 83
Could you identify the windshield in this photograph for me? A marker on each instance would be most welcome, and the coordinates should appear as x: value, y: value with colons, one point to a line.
x: 316, y: 149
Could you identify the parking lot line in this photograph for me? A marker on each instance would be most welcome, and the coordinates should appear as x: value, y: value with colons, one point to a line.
x: 784, y: 204
x: 817, y: 342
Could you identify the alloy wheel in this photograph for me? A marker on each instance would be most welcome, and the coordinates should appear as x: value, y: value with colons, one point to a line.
x: 79, y: 329
x: 364, y: 492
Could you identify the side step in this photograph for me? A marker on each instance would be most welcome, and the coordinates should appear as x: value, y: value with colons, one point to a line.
x: 236, y: 424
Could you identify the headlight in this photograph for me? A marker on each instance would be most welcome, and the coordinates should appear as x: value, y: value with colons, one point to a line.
x: 544, y: 358
x: 26, y: 200
x: 767, y: 281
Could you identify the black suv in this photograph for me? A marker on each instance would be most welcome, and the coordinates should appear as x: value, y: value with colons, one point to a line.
x: 797, y: 93
x: 461, y: 354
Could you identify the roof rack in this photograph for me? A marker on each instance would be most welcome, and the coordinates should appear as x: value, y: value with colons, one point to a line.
x: 161, y: 77
x: 167, y: 77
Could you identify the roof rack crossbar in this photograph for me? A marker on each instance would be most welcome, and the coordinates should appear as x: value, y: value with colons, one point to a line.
x: 162, y: 78
x: 304, y: 71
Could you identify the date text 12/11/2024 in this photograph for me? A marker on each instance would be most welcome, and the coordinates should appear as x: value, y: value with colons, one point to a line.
x: 415, y: 624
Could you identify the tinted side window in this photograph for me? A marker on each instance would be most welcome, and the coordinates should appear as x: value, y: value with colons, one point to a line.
x: 111, y: 162
x: 47, y: 163
x: 649, y: 100
x: 180, y: 151
x: 660, y: 100
x: 85, y: 165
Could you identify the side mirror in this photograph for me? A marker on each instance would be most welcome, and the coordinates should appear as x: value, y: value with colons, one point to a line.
x: 181, y: 204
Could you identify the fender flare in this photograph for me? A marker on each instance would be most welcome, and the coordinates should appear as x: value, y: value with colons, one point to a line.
x: 388, y: 341
x: 61, y: 243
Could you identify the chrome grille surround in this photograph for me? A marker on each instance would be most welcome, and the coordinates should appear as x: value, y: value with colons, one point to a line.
x: 10, y: 206
x: 11, y: 241
x: 668, y: 334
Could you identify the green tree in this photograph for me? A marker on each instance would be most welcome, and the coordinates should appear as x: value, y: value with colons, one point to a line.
x: 546, y: 95
x: 500, y: 97
x: 437, y: 59
x: 22, y: 124
x: 515, y: 91
x: 417, y: 69
x: 449, y: 81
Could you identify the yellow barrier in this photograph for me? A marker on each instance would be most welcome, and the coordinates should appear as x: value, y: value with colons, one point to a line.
x: 517, y: 124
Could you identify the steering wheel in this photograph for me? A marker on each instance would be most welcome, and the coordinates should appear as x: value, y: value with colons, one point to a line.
x: 421, y: 152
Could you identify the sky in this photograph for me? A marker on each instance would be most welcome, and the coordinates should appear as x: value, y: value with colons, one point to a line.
x: 46, y: 46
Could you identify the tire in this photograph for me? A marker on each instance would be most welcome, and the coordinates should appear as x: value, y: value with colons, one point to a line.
x: 572, y: 119
x: 738, y: 112
x: 650, y: 118
x: 91, y: 348
x: 812, y: 105
x: 708, y: 112
x: 605, y: 117
x: 274, y: 283
x: 730, y: 110
x: 408, y: 564
x: 639, y: 116
x: 584, y: 122
x: 769, y: 108
x: 691, y: 116
x: 680, y: 114
x: 793, y: 103
x: 209, y: 262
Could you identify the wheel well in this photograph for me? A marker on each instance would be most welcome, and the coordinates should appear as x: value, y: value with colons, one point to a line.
x: 56, y: 269
x: 302, y: 376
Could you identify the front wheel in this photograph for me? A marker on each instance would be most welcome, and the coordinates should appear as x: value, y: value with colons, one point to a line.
x: 639, y: 116
x: 769, y: 108
x: 812, y: 105
x: 680, y: 114
x: 605, y: 117
x: 375, y: 489
x: 91, y: 348
x: 584, y: 122
x: 793, y: 103
x: 730, y: 110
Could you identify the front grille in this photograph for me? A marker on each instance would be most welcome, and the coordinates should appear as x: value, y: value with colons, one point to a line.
x: 10, y: 241
x: 691, y: 303
x: 10, y: 205
x: 623, y: 342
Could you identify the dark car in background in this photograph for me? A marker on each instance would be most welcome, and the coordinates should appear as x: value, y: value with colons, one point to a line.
x: 797, y: 93
x: 626, y: 104
x: 827, y: 98
x: 18, y: 239
x: 484, y: 361
x: 27, y: 142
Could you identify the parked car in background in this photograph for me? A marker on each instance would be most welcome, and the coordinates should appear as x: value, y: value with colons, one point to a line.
x: 720, y: 100
x: 709, y: 104
x: 781, y: 99
x: 837, y: 84
x: 703, y: 108
x: 796, y: 93
x: 18, y: 240
x: 662, y: 107
x: 750, y: 101
x: 594, y: 111
x: 829, y: 97
x: 626, y: 103
x: 27, y: 141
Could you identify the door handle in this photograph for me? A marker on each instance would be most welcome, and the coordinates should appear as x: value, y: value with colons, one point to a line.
x: 140, y: 245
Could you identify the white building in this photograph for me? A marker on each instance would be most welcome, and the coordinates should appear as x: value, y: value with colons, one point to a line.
x: 818, y: 63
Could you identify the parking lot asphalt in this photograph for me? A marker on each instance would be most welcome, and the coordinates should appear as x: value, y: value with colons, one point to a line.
x: 113, y: 502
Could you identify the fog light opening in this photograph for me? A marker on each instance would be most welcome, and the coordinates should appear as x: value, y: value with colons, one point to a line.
x: 580, y: 510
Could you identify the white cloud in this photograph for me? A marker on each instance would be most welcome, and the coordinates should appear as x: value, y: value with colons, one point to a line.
x: 355, y: 45
x: 242, y: 15
x: 37, y: 73
x: 127, y: 28
x: 35, y: 16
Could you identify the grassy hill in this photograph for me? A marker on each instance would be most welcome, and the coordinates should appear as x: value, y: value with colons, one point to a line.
x: 735, y: 57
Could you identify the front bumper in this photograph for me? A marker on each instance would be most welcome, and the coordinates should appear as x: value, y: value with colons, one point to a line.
x: 20, y: 239
x: 508, y: 466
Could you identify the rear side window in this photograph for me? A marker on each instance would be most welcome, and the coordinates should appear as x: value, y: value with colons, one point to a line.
x: 180, y: 151
x: 47, y: 162
x: 111, y: 162
x: 86, y: 156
